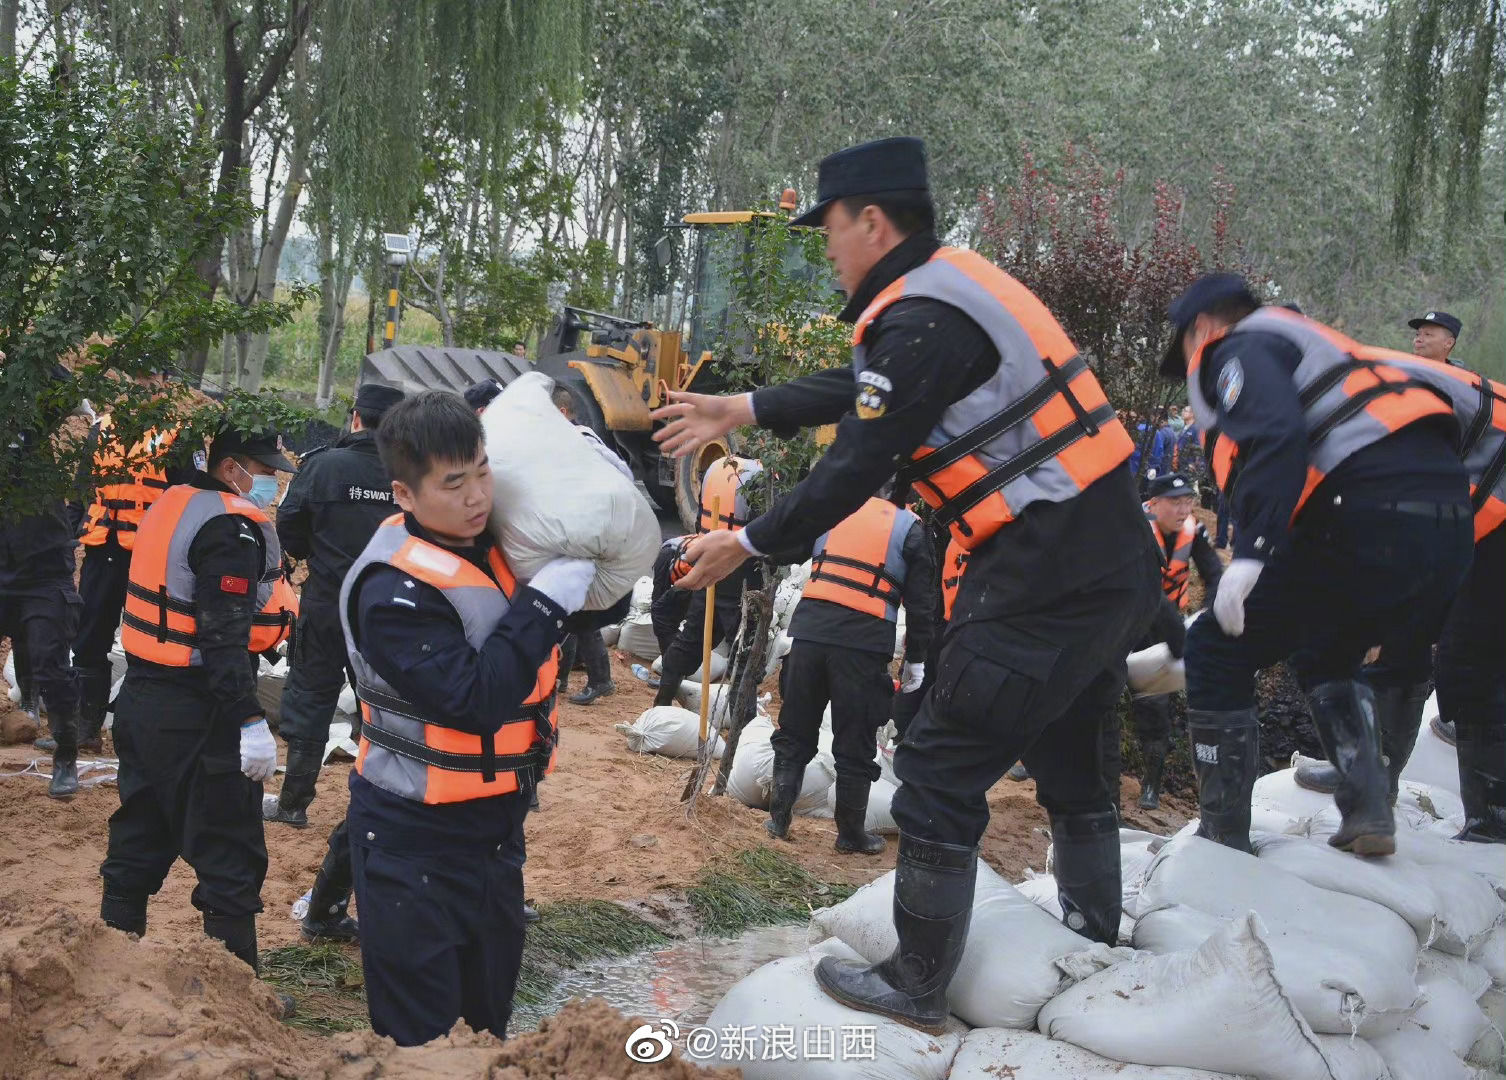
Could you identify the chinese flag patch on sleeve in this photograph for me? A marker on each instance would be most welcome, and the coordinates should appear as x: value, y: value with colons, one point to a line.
x: 238, y: 585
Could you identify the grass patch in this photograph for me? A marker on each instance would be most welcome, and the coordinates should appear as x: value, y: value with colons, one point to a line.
x: 327, y: 982
x: 574, y: 931
x: 758, y: 888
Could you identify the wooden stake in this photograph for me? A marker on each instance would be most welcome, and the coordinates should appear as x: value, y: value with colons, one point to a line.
x: 703, y: 754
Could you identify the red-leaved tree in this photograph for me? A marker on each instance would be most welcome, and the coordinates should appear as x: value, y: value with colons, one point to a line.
x: 1067, y: 240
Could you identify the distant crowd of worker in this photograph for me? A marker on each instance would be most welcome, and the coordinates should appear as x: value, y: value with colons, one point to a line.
x: 979, y: 480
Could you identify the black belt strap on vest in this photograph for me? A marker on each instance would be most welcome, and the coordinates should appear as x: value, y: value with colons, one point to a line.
x: 1483, y: 416
x: 884, y: 585
x: 1490, y: 477
x: 1014, y: 414
x: 1360, y: 400
x: 488, y: 763
x: 951, y: 510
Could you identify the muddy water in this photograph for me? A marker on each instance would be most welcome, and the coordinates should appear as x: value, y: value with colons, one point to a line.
x: 682, y: 982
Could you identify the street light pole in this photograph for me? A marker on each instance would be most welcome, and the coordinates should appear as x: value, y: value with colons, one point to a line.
x: 397, y: 247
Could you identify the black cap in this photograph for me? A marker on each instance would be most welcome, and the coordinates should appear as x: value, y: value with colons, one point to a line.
x: 1438, y: 318
x: 376, y: 398
x: 265, y: 447
x: 479, y: 395
x: 884, y: 165
x: 1172, y: 483
x: 1204, y: 294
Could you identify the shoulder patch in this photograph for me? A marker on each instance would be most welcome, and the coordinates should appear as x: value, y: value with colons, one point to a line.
x: 1231, y: 380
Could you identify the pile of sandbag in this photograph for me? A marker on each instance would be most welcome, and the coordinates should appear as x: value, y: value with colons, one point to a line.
x: 558, y: 497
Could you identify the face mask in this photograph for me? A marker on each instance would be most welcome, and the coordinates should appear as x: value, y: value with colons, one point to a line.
x: 263, y: 491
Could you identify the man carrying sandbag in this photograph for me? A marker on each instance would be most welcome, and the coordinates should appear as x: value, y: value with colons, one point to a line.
x: 965, y: 381
x: 455, y: 664
x: 1353, y: 526
x: 843, y: 631
x: 724, y: 508
x: 1168, y: 508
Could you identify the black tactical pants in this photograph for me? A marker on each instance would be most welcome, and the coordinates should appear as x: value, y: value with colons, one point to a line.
x: 684, y: 653
x: 1038, y: 688
x: 182, y: 794
x: 44, y: 618
x: 102, y: 586
x: 592, y: 651
x: 316, y: 675
x: 859, y: 688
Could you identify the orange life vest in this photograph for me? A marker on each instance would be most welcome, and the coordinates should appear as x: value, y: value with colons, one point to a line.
x: 159, y: 623
x: 1174, y: 573
x: 1039, y: 428
x: 953, y: 566
x: 861, y: 563
x: 1347, y: 404
x: 417, y: 756
x: 724, y: 481
x: 119, y: 507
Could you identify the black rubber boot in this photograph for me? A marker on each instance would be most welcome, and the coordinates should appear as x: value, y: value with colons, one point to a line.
x: 1482, y: 771
x: 1344, y: 714
x: 1398, y: 714
x: 1085, y: 860
x: 94, y: 702
x: 530, y: 914
x: 1150, y: 783
x: 933, y: 904
x: 305, y: 757
x: 786, y: 789
x: 237, y: 933
x: 327, y: 919
x: 123, y: 912
x: 64, y: 783
x: 1226, y: 756
x: 851, y: 813
x: 592, y: 692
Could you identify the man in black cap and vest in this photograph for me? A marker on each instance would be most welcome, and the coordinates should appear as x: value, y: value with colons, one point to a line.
x: 331, y: 509
x: 205, y: 596
x: 328, y: 516
x: 1352, y: 524
x: 1434, y: 334
x: 965, y: 386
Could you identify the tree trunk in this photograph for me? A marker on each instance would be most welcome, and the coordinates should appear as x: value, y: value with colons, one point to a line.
x: 274, y: 237
x: 334, y: 290
x: 10, y: 12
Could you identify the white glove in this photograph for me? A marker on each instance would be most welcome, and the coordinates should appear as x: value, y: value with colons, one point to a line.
x: 565, y: 581
x: 258, y: 751
x: 910, y: 677
x: 1234, y: 587
x: 607, y: 453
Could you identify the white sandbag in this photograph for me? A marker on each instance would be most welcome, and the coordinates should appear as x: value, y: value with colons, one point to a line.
x: 1155, y: 671
x: 1219, y: 1007
x: 1280, y: 791
x: 752, y: 774
x: 991, y: 1053
x: 1008, y: 968
x: 1451, y: 909
x: 346, y: 703
x: 636, y: 637
x: 669, y: 731
x: 1489, y: 1051
x: 556, y: 497
x: 880, y: 816
x: 721, y: 700
x: 1371, y: 951
x: 339, y: 743
x: 1433, y: 761
x: 1414, y: 1054
x: 610, y: 634
x: 1492, y: 953
x: 1352, y: 1058
x: 1449, y: 1014
x: 1041, y: 890
x: 886, y: 762
x: 14, y: 692
x: 718, y: 667
x: 1434, y: 803
x: 1434, y: 964
x: 1419, y: 840
x: 784, y: 995
x: 643, y: 595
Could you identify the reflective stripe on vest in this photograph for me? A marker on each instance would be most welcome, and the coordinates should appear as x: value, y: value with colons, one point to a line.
x: 413, y: 754
x: 1174, y: 573
x: 861, y: 563
x: 953, y: 566
x: 1346, y: 406
x: 1039, y: 429
x: 724, y: 480
x: 119, y: 507
x: 159, y: 623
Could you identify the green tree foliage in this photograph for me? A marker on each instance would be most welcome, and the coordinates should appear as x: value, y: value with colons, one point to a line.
x: 103, y: 225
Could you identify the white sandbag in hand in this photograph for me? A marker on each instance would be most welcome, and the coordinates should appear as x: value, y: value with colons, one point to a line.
x: 667, y: 730
x: 784, y: 995
x: 1155, y: 671
x: 1218, y: 1007
x: 556, y: 497
x: 1008, y: 968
